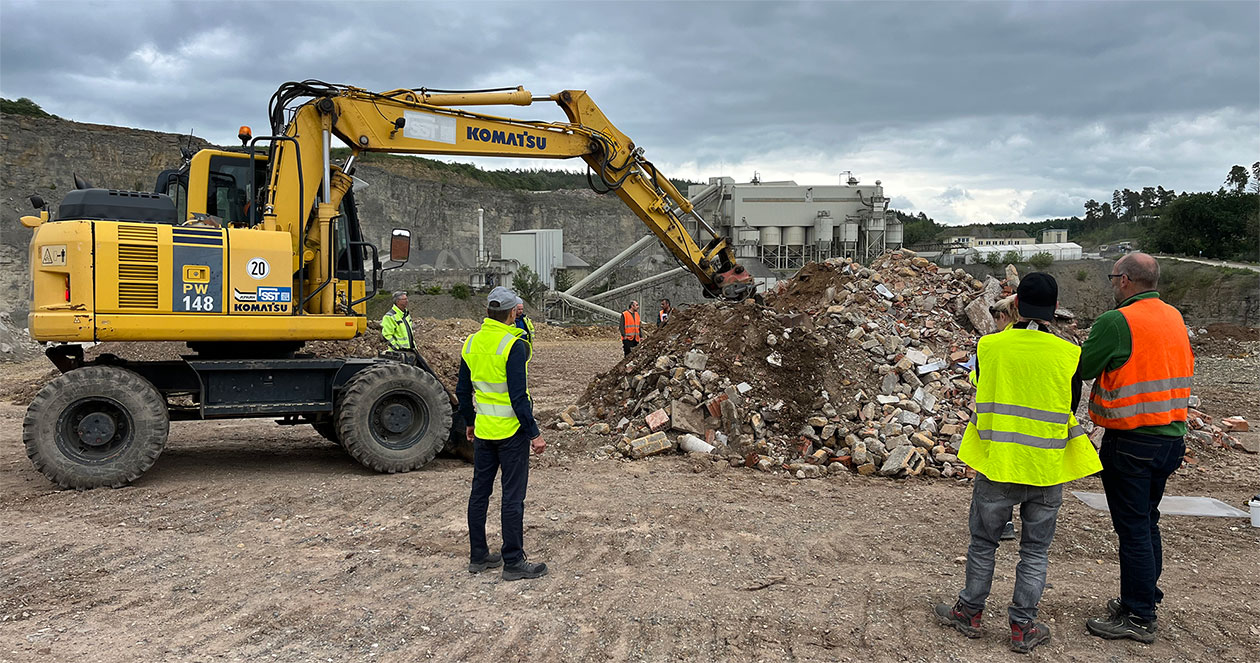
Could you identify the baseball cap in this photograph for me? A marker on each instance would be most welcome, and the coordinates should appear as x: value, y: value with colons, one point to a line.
x: 1038, y: 295
x: 502, y: 299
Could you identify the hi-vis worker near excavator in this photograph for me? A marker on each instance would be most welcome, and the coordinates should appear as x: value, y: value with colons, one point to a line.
x: 631, y: 328
x: 246, y: 255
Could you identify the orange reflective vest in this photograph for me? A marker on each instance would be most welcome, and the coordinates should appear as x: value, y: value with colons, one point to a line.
x: 1152, y: 388
x: 630, y: 320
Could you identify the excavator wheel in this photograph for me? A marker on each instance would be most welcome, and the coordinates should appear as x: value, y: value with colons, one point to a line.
x: 95, y: 426
x: 393, y: 417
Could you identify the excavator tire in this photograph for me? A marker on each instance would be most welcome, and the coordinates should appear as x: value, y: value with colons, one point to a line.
x: 393, y: 417
x: 95, y: 426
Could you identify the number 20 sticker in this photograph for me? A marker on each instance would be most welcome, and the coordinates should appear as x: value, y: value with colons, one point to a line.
x: 258, y: 268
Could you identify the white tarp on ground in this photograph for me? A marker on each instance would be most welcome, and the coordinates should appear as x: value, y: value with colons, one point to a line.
x: 1173, y: 505
x: 1059, y: 251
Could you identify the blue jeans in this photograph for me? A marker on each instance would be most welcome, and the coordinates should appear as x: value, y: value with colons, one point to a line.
x: 991, y: 505
x: 512, y: 455
x: 1135, y: 470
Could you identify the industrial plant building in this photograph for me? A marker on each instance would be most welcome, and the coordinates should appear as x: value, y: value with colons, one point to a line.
x: 785, y: 225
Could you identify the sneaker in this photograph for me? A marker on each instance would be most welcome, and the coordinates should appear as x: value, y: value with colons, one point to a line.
x: 962, y: 618
x: 1123, y: 626
x: 1008, y: 532
x: 1115, y: 610
x: 524, y: 570
x: 1026, y: 635
x: 491, y: 561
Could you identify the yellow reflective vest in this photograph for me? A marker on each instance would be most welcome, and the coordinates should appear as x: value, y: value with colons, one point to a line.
x: 486, y: 354
x: 1023, y: 429
x: 396, y: 328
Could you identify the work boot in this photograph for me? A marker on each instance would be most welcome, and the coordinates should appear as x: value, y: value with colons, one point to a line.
x: 1115, y: 610
x: 1008, y: 532
x: 1122, y: 626
x: 490, y: 561
x: 524, y: 570
x: 962, y: 618
x: 1026, y: 635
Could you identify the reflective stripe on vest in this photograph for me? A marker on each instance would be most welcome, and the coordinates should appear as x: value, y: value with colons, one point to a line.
x: 1152, y: 388
x: 486, y: 354
x: 1022, y: 430
x: 630, y: 320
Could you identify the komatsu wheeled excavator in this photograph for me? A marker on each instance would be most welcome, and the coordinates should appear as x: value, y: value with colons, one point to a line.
x: 246, y: 255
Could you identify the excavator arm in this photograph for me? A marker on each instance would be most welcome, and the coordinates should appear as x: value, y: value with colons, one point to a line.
x: 305, y: 189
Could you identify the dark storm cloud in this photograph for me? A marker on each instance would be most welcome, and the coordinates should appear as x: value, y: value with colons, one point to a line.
x: 1022, y: 100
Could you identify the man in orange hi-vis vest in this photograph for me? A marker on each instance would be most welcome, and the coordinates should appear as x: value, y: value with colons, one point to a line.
x: 630, y: 328
x: 1140, y: 354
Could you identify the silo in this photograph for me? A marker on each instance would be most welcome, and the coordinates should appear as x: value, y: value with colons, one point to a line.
x: 746, y: 240
x: 794, y: 236
x: 771, y: 237
x: 847, y: 237
x: 893, y: 238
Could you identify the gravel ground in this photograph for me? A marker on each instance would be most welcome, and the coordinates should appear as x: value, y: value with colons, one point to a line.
x: 252, y: 542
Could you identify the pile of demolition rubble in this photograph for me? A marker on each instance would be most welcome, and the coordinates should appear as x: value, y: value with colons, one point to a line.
x: 15, y: 344
x: 846, y: 368
x: 1232, y: 433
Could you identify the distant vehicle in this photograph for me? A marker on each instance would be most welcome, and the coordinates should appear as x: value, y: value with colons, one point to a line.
x: 1102, y: 248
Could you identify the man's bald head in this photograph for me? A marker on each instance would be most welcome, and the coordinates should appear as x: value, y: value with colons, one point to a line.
x: 1141, y: 269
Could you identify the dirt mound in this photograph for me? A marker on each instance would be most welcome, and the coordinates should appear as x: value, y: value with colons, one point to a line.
x: 845, y: 367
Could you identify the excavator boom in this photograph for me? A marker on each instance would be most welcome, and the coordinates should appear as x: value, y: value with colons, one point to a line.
x: 305, y: 188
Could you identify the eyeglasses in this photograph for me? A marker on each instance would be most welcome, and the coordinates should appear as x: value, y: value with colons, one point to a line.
x: 1114, y: 276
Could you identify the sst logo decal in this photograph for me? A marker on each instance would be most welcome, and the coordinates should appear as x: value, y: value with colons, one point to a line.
x: 264, y: 300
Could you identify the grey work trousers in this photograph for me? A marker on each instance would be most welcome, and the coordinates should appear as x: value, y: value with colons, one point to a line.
x: 991, y: 505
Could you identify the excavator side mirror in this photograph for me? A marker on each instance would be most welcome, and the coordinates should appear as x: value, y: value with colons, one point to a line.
x: 399, y: 246
x: 37, y: 201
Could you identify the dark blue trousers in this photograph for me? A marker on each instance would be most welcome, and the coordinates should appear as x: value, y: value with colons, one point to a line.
x: 1135, y: 471
x: 489, y: 456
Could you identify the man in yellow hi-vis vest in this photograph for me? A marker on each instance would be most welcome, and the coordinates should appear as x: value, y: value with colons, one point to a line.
x: 493, y: 395
x: 1024, y: 443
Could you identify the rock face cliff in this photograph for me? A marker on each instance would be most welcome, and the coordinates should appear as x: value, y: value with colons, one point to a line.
x: 41, y: 155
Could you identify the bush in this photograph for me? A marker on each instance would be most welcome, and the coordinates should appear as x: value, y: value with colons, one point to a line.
x: 1041, y: 260
x: 528, y: 286
x: 433, y: 290
x: 564, y: 280
x: 23, y: 106
x: 1082, y: 275
x: 1012, y: 258
x: 993, y: 260
x: 460, y: 291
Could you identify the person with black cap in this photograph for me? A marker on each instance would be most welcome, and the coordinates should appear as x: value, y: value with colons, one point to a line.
x: 493, y: 395
x: 1024, y: 443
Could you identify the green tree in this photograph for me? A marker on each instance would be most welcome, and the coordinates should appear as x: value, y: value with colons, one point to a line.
x: 993, y: 260
x: 564, y: 280
x: 1012, y: 258
x: 528, y: 286
x: 1221, y: 225
x: 23, y: 106
x: 1237, y: 179
x: 1255, y: 177
x: 1041, y: 260
x: 460, y: 291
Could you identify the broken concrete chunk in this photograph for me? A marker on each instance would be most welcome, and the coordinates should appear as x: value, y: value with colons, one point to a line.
x: 649, y: 445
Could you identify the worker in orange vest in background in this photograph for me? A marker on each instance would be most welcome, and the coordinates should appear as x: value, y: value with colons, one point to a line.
x: 1140, y: 354
x: 663, y: 316
x: 630, y: 328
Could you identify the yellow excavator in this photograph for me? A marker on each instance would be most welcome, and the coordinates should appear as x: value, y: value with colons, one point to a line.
x: 246, y: 255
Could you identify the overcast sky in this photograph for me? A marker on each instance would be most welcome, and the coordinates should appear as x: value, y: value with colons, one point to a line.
x: 967, y: 111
